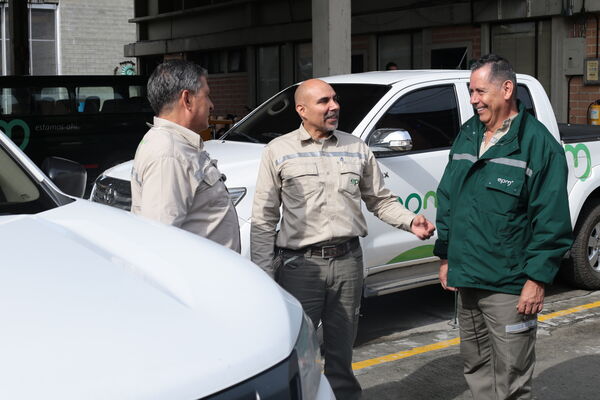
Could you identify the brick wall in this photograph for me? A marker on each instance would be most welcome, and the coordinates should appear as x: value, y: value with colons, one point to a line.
x: 360, y: 42
x: 229, y: 93
x: 92, y: 35
x: 581, y: 96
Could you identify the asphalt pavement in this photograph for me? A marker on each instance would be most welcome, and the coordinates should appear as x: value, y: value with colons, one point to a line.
x: 407, y: 347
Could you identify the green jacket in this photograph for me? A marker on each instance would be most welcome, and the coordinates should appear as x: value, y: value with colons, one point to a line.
x: 504, y: 218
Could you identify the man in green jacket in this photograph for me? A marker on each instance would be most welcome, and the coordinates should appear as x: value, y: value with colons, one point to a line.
x: 503, y: 226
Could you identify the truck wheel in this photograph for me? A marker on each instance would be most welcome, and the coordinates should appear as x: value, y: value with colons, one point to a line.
x: 583, y: 269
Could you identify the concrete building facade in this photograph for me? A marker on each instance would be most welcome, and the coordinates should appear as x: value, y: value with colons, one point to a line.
x: 253, y: 48
x: 74, y: 37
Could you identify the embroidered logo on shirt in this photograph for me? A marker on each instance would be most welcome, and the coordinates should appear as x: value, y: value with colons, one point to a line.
x: 506, y: 182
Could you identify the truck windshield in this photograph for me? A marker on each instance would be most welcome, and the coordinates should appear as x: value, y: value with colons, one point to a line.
x: 19, y: 193
x: 278, y: 116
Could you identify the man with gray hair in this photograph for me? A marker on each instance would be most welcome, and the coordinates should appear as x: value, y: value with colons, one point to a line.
x: 174, y: 181
x: 503, y: 226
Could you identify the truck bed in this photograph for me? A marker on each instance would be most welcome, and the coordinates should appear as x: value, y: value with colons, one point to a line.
x: 572, y: 133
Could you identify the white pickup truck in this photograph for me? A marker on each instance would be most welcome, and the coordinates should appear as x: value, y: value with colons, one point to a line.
x: 409, y: 119
x: 99, y: 304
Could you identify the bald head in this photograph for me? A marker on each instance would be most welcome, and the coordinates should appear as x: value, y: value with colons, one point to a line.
x: 307, y: 88
x: 317, y: 106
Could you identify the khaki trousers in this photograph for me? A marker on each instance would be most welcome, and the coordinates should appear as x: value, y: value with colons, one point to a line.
x: 497, y: 345
x: 329, y: 290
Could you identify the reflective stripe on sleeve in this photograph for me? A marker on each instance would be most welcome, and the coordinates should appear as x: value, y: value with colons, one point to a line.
x: 464, y: 156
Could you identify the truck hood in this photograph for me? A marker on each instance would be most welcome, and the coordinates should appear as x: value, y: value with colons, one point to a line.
x: 89, y: 298
x: 233, y: 159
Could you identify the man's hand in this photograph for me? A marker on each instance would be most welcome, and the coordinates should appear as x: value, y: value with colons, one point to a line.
x: 444, y: 276
x: 532, y: 298
x: 421, y: 227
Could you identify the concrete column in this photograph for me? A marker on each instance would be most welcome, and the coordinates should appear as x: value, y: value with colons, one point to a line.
x: 331, y: 37
x: 485, y: 39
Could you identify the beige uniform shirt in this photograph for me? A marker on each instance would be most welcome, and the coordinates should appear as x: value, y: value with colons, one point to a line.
x: 174, y: 181
x: 319, y: 186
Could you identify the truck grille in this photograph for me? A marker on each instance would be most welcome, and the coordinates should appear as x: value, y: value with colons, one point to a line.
x: 113, y: 192
x: 281, y: 382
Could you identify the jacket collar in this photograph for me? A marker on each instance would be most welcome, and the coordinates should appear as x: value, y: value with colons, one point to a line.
x: 508, y: 144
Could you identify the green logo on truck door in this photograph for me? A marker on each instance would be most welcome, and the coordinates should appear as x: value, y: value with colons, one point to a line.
x: 8, y: 127
x: 575, y: 150
x: 414, y: 202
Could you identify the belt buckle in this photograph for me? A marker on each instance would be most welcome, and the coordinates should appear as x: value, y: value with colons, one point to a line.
x: 325, y: 254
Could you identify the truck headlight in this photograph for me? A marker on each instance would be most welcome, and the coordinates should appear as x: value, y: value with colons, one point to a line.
x: 112, y: 191
x: 309, y: 359
x: 236, y: 194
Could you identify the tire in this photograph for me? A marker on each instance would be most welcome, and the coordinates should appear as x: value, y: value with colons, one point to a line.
x: 583, y: 266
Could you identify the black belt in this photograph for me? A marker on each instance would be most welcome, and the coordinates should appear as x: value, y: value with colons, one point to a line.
x: 335, y: 250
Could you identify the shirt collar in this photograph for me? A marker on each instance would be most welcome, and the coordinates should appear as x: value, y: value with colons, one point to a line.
x: 506, y: 125
x: 303, y: 135
x: 187, y: 134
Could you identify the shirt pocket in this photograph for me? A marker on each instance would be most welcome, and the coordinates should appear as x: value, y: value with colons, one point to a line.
x: 300, y: 179
x: 350, y: 176
x: 211, y: 189
x: 207, y: 176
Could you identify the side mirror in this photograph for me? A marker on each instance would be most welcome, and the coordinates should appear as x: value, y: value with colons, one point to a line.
x: 390, y: 140
x: 69, y: 176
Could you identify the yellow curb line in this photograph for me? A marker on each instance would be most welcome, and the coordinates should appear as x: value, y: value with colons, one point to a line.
x: 453, y: 342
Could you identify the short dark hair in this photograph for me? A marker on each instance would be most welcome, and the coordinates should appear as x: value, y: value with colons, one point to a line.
x: 390, y: 65
x: 169, y: 79
x: 500, y: 68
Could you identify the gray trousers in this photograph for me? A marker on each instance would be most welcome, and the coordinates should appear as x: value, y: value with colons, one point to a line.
x: 329, y: 290
x: 497, y: 345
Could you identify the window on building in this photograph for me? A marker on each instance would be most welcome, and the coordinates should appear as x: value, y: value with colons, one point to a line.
x: 402, y: 49
x: 268, y: 72
x: 220, y: 61
x: 527, y: 45
x: 165, y: 6
x: 42, y: 34
x: 449, y: 58
x: 303, y: 66
x: 430, y: 115
x: 236, y: 60
x: 43, y: 55
x: 214, y: 61
x: 357, y: 63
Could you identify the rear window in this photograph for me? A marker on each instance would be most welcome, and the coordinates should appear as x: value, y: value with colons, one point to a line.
x: 58, y: 100
x: 278, y: 116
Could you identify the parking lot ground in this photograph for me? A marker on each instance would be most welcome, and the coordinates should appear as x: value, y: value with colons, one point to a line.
x: 397, y: 360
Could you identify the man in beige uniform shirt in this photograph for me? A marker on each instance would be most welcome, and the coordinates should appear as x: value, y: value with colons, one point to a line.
x: 173, y: 179
x: 318, y: 175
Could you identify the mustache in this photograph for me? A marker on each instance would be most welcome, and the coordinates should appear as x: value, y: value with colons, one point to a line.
x: 332, y: 115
